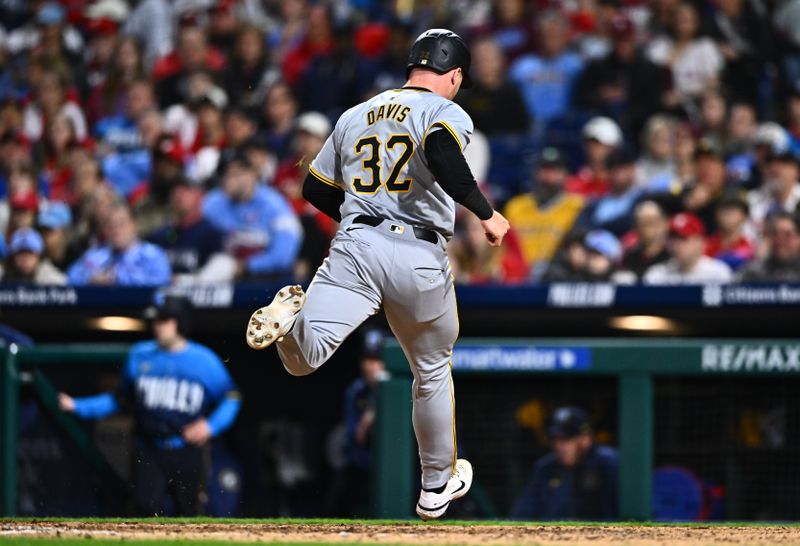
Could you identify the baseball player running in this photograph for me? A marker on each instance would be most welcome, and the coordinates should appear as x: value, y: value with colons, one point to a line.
x: 389, y: 174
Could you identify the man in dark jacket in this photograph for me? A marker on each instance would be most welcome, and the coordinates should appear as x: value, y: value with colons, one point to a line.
x: 624, y: 85
x: 577, y: 480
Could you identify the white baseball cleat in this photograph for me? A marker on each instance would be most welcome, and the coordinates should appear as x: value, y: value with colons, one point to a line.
x: 433, y: 505
x: 269, y: 324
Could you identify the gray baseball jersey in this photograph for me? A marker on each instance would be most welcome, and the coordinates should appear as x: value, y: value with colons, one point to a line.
x: 375, y: 154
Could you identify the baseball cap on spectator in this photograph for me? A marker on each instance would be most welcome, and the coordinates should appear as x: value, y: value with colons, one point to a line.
x: 773, y: 136
x: 111, y: 10
x: 620, y: 158
x: 551, y: 157
x: 314, y: 123
x: 569, y: 422
x: 26, y: 240
x: 605, y: 243
x: 54, y: 216
x: 214, y: 96
x: 685, y: 225
x: 604, y: 130
x: 24, y: 200
x: 785, y: 156
x: 621, y: 28
x: 707, y: 149
x: 50, y: 14
x: 170, y: 148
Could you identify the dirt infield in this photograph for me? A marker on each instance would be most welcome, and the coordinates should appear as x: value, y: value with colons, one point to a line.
x: 413, y: 534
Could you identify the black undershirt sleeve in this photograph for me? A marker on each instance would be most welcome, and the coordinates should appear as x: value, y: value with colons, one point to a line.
x: 451, y: 171
x: 322, y: 195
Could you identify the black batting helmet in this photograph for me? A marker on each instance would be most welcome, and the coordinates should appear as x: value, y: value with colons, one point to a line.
x: 167, y: 306
x: 440, y: 50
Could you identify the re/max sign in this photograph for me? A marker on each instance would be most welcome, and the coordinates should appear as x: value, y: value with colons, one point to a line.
x: 751, y: 358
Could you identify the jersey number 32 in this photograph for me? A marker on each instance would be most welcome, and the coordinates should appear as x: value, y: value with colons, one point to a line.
x: 372, y: 148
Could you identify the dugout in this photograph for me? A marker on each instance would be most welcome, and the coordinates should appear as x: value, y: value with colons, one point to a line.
x: 711, y: 424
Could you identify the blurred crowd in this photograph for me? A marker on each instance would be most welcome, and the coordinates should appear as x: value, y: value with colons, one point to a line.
x: 148, y: 142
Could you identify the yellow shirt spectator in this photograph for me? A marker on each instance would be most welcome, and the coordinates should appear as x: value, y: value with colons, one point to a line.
x: 544, y: 216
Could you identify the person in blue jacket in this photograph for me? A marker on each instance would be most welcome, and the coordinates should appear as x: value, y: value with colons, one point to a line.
x: 261, y: 229
x: 125, y: 260
x: 181, y: 396
x: 577, y: 480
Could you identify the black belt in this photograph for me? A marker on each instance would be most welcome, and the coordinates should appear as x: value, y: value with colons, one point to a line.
x: 420, y: 233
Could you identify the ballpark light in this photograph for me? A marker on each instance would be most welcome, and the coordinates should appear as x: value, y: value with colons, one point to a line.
x: 647, y: 323
x: 117, y: 324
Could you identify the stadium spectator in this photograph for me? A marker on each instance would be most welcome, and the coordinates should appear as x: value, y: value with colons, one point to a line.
x: 317, y: 39
x: 124, y: 260
x: 126, y: 161
x: 601, y: 136
x: 48, y: 34
x: 780, y: 191
x: 54, y: 223
x: 311, y: 131
x: 494, y: 103
x: 569, y: 262
x: 26, y: 263
x: 56, y: 149
x: 694, y: 60
x: 181, y: 396
x: 337, y: 66
x: 624, y: 84
x: 546, y: 79
x: 240, y: 127
x: 23, y: 203
x: 51, y: 101
x: 649, y: 246
x: 280, y: 113
x: 262, y: 158
x: 193, y: 245
x: 577, y: 480
x: 603, y: 252
x: 512, y: 26
x: 349, y: 493
x: 656, y: 165
x: 151, y: 23
x: 742, y: 34
x: 108, y: 97
x: 387, y: 70
x: 782, y: 262
x: 192, y: 55
x: 249, y: 73
x: 151, y: 199
x: 613, y: 211
x: 741, y: 130
x: 701, y: 194
x: 262, y: 232
x: 688, y: 263
x: 474, y: 262
x: 713, y: 115
x: 544, y: 215
x: 730, y: 243
x: 770, y: 139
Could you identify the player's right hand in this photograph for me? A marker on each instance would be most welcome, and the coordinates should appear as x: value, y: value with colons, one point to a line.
x: 495, y: 228
x: 66, y: 402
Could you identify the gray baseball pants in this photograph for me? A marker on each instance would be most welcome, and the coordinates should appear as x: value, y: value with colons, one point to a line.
x: 369, y: 267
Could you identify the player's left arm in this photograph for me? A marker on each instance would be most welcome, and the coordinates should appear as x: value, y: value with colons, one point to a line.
x: 443, y: 145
